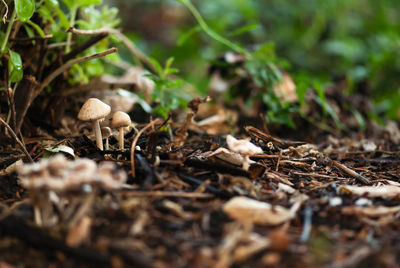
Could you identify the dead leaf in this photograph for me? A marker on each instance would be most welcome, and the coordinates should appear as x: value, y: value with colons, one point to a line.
x: 251, y: 211
x: 372, y: 191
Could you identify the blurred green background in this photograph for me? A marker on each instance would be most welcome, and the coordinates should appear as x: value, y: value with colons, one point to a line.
x: 357, y: 40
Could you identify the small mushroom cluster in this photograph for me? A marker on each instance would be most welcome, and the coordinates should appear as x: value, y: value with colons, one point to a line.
x: 70, y: 185
x: 95, y: 110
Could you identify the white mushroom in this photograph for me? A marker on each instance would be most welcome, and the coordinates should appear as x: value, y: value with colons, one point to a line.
x: 243, y: 147
x: 120, y: 120
x: 95, y: 110
x: 106, y: 132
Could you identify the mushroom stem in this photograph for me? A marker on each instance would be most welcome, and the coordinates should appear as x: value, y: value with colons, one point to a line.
x: 246, y: 163
x: 107, y: 146
x: 97, y: 134
x: 121, y: 138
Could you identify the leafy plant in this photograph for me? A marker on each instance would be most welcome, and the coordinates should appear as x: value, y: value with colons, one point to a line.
x: 261, y: 65
x: 167, y: 91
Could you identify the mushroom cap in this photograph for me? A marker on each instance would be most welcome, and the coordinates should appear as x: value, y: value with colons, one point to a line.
x: 120, y: 119
x: 106, y: 132
x: 93, y: 109
x: 244, y: 147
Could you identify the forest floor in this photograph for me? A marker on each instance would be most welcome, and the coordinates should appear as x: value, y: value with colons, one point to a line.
x: 315, y: 200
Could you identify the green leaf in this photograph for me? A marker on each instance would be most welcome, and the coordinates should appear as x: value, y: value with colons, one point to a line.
x: 157, y: 66
x: 50, y: 151
x: 81, y: 3
x: 244, y: 29
x: 36, y: 27
x: 15, y: 67
x: 184, y: 37
x: 25, y: 9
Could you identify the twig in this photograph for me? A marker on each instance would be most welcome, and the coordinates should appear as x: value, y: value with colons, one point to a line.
x: 100, y: 85
x: 166, y: 194
x: 266, y: 137
x: 279, y: 160
x: 60, y: 44
x: 10, y: 96
x: 350, y: 172
x: 135, y: 140
x: 22, y: 39
x: 67, y: 65
x: 82, y: 47
x: 128, y: 43
x: 17, y: 140
x: 8, y: 31
x: 6, y: 13
x: 315, y: 175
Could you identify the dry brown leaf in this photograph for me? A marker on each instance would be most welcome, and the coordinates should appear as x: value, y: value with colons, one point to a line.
x: 372, y: 191
x: 228, y: 156
x: 248, y: 210
x: 370, y: 211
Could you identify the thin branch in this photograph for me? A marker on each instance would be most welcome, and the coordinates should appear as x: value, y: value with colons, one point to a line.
x: 5, y: 15
x: 67, y: 65
x: 350, y: 172
x: 60, y: 44
x: 17, y: 140
x: 135, y: 140
x: 23, y: 39
x: 82, y: 47
x: 165, y: 194
x: 100, y: 85
x: 125, y: 40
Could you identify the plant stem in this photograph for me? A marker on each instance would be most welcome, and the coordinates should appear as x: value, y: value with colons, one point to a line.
x: 8, y: 31
x: 210, y: 31
x: 71, y: 24
x: 17, y: 140
x: 67, y: 65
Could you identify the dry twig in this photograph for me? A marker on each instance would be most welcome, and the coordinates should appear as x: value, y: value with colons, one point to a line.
x: 125, y: 40
x: 135, y: 140
x: 350, y: 172
x: 67, y: 65
x: 17, y: 140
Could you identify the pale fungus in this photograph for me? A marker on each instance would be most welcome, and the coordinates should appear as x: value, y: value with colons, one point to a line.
x: 120, y: 120
x: 106, y: 133
x: 95, y: 110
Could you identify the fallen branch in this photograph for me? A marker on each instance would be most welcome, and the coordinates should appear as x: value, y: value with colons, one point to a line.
x: 17, y: 140
x: 125, y: 40
x: 350, y: 172
x: 135, y: 140
x: 67, y: 65
x: 166, y: 194
x: 266, y: 138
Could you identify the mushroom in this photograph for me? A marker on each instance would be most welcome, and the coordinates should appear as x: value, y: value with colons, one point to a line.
x: 69, y: 186
x: 95, y: 110
x: 106, y: 132
x: 243, y: 147
x: 120, y: 120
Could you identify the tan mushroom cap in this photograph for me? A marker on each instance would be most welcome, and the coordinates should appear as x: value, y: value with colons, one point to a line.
x: 106, y: 132
x: 93, y: 109
x: 120, y: 119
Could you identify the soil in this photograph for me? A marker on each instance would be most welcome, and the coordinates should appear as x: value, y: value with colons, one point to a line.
x: 173, y: 210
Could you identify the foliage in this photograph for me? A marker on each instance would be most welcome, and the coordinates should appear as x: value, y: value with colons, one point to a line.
x: 60, y: 15
x: 354, y: 39
x: 167, y: 91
